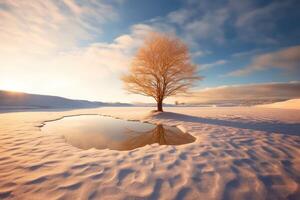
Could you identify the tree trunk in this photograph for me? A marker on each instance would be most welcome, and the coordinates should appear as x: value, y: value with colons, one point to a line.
x: 159, y: 106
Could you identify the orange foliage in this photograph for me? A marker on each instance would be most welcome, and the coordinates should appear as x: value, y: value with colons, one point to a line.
x: 162, y: 67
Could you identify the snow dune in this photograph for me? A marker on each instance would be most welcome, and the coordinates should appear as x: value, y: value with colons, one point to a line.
x: 289, y: 104
x: 239, y: 153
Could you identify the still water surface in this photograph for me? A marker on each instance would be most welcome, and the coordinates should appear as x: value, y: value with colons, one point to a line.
x: 100, y: 132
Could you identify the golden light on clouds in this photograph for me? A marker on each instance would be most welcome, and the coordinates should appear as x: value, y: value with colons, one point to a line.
x: 244, y: 93
x: 12, y: 85
x: 65, y: 48
x: 40, y: 53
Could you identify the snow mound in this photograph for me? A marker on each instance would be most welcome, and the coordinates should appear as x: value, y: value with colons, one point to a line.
x: 289, y: 104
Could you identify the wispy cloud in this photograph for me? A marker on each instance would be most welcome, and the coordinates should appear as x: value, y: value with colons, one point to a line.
x: 55, y: 47
x: 213, y: 21
x: 40, y: 48
x: 246, y: 53
x: 263, y: 92
x: 200, y: 53
x: 42, y: 26
x: 213, y: 64
x: 258, y: 24
x: 287, y: 59
x: 90, y: 72
x: 180, y: 16
x: 210, y: 26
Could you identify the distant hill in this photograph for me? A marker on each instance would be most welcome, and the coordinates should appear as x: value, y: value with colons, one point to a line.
x: 234, y: 102
x: 19, y: 100
x: 290, y: 104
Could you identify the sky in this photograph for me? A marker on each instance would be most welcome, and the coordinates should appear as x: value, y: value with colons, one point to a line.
x: 79, y: 49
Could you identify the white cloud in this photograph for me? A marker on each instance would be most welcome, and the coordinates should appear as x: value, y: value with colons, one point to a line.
x: 180, y: 16
x: 210, y: 26
x: 249, y: 93
x: 287, y: 59
x: 200, y: 53
x: 213, y: 64
x: 246, y: 53
x: 257, y: 22
x: 39, y: 50
x: 42, y: 26
x: 213, y: 21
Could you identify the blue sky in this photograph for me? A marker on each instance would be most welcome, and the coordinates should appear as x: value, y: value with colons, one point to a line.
x: 233, y: 42
x: 266, y: 26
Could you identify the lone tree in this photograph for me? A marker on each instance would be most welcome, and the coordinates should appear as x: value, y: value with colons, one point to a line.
x: 161, y: 67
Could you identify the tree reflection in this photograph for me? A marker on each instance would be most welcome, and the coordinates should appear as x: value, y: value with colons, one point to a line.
x: 160, y: 134
x: 108, y: 133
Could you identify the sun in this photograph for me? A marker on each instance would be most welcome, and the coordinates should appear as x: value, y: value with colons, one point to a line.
x: 12, y: 85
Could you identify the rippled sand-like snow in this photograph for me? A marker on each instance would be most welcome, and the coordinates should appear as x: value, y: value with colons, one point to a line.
x: 239, y: 153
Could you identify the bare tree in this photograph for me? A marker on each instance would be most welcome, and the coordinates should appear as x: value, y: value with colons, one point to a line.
x: 162, y: 67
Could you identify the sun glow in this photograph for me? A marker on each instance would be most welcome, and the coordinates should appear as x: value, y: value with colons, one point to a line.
x: 11, y: 85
